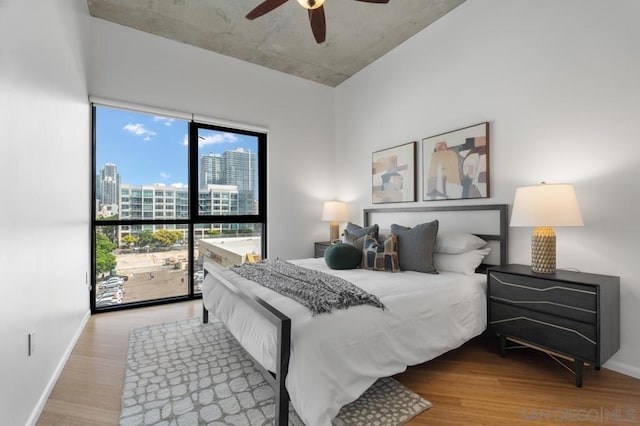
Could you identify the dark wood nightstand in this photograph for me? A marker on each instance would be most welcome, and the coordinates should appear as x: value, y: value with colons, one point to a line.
x: 320, y: 247
x: 573, y: 315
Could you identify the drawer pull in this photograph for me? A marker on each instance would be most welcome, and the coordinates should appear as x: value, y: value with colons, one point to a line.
x: 545, y: 323
x: 555, y: 287
x: 542, y: 302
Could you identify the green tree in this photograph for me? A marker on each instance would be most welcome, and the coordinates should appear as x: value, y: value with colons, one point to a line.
x: 213, y: 233
x: 145, y: 238
x: 164, y: 237
x: 129, y: 240
x: 105, y: 259
x: 111, y: 231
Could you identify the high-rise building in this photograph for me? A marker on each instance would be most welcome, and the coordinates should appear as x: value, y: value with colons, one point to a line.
x: 240, y: 169
x: 212, y: 170
x: 236, y: 168
x: 107, y: 188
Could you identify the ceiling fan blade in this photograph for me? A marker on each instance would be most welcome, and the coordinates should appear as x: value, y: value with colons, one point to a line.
x: 374, y: 1
x: 265, y: 7
x: 318, y: 24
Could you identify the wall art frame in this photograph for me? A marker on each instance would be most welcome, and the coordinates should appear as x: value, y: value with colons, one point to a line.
x: 455, y: 164
x: 393, y: 174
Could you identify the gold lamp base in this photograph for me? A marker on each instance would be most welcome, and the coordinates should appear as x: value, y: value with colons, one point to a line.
x: 543, y: 250
x: 334, y: 231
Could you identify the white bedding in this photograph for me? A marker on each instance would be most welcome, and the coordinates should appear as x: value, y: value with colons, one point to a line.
x: 336, y: 357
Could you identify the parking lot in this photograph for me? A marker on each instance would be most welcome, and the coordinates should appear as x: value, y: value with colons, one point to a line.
x: 152, y: 275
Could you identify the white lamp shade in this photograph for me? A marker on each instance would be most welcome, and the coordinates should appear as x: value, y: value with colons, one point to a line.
x: 335, y: 211
x: 546, y: 205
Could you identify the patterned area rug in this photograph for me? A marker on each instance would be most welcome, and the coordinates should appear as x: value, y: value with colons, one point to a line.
x: 188, y: 373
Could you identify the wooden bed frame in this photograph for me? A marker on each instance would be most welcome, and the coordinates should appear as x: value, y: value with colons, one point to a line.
x: 283, y: 322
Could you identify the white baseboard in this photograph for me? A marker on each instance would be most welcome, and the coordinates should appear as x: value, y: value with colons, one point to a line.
x: 37, y: 410
x: 623, y: 368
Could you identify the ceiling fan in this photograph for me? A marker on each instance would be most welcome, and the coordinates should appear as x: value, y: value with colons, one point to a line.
x: 316, y: 13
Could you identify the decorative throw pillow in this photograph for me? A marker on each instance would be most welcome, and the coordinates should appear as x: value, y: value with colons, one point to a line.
x: 462, y: 263
x: 380, y: 256
x: 458, y: 242
x: 342, y: 256
x: 358, y: 231
x: 351, y: 239
x: 415, y: 246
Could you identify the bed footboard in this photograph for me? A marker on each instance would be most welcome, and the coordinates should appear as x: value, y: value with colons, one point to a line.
x: 283, y: 330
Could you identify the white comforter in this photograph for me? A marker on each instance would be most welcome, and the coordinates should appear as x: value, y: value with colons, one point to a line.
x: 336, y: 357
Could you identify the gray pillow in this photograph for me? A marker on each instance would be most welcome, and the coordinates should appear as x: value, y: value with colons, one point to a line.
x: 358, y: 231
x: 415, y: 246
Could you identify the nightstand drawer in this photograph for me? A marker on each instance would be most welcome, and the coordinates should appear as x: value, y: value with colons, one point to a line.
x: 320, y: 247
x: 569, y: 300
x: 571, y: 338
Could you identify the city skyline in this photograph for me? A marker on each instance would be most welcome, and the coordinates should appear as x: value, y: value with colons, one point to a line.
x: 233, y: 175
x: 150, y: 149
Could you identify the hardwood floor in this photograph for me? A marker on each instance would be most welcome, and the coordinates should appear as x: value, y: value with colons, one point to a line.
x: 471, y: 385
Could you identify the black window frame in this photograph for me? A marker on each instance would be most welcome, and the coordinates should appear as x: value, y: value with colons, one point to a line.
x: 194, y: 217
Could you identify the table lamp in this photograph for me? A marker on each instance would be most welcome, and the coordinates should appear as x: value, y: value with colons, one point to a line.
x: 544, y: 206
x: 334, y: 212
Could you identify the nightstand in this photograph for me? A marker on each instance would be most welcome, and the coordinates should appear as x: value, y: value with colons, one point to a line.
x: 320, y: 247
x: 573, y: 315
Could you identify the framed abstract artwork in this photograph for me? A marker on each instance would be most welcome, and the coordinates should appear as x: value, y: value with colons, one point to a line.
x: 455, y: 165
x: 393, y: 174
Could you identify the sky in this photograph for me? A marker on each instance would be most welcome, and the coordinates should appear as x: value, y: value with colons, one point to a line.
x: 150, y: 149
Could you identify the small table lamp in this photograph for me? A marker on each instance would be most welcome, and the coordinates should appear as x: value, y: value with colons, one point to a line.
x: 544, y: 206
x: 334, y: 212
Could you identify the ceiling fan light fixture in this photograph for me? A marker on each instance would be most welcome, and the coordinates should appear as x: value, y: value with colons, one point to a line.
x: 311, y: 4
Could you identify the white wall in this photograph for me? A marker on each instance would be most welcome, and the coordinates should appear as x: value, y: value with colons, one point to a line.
x: 134, y: 66
x: 44, y: 212
x: 558, y: 81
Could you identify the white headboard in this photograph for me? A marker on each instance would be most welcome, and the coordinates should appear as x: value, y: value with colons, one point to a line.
x: 487, y: 221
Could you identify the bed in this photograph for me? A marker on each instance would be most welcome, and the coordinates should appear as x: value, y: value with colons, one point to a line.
x: 325, y: 361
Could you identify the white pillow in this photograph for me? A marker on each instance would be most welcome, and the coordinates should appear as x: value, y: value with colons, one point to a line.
x: 457, y: 242
x: 462, y: 263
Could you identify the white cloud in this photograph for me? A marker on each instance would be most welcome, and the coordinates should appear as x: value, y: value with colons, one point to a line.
x: 217, y: 138
x: 167, y: 121
x: 139, y: 130
x: 179, y: 185
x: 213, y: 139
x: 164, y: 175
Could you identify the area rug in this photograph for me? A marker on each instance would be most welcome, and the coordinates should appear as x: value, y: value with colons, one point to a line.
x: 188, y: 373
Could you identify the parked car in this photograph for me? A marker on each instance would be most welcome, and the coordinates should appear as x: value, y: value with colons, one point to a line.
x: 107, y: 301
x: 114, y: 279
x: 115, y: 293
x: 112, y: 285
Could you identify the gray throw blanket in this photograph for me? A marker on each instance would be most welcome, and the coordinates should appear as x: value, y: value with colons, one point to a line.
x: 316, y: 290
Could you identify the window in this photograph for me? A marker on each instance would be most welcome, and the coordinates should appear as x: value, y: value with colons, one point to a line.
x: 167, y: 191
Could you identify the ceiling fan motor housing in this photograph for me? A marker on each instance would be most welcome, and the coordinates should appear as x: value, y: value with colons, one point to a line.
x: 311, y: 4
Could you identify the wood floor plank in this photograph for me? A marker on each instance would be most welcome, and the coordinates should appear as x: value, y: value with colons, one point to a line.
x: 471, y: 385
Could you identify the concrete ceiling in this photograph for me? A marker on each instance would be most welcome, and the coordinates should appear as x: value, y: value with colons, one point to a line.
x: 358, y: 33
